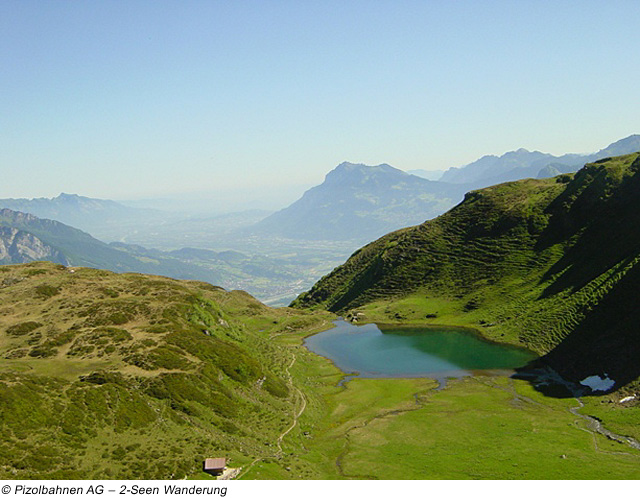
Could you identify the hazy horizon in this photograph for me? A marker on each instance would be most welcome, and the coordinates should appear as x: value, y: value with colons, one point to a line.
x: 210, y: 202
x: 145, y: 100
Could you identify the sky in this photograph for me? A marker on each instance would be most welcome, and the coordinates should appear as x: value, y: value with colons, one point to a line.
x: 230, y: 99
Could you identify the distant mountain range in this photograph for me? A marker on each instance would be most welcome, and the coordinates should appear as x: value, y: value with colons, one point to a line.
x: 360, y: 202
x: 109, y: 220
x: 355, y: 203
x: 278, y: 254
x: 521, y: 164
x: 102, y: 218
x: 75, y: 210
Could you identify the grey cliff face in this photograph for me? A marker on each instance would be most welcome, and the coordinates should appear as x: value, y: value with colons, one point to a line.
x: 18, y: 247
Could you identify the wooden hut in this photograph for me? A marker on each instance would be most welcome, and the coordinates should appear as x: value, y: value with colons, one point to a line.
x: 214, y: 466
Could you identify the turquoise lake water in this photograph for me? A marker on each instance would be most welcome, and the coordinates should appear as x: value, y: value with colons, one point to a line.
x: 389, y: 351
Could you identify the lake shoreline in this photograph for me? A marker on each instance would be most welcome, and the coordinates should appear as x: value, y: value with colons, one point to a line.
x: 415, y: 356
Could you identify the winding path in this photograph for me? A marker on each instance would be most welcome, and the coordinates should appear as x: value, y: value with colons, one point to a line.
x: 296, y: 416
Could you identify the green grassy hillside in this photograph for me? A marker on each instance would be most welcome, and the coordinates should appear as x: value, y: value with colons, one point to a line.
x: 551, y: 264
x: 127, y: 376
x: 105, y: 375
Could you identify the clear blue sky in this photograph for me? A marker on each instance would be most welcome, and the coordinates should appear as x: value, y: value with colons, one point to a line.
x: 125, y: 99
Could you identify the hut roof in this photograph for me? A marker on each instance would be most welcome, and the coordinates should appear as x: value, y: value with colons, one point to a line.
x: 215, y: 463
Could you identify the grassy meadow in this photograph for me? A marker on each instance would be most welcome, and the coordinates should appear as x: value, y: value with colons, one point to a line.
x: 475, y: 428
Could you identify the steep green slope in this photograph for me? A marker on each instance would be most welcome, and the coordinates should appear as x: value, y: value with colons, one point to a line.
x: 131, y: 376
x: 551, y: 264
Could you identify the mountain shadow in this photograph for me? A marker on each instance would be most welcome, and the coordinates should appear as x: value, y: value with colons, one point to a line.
x: 605, y: 344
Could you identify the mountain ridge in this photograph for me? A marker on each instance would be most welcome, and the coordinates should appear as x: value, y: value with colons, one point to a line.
x: 94, y: 215
x: 522, y: 163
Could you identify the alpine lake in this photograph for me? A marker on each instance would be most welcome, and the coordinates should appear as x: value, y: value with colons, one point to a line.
x: 392, y: 351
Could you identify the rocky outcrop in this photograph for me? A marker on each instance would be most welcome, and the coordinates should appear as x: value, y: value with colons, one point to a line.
x: 17, y: 247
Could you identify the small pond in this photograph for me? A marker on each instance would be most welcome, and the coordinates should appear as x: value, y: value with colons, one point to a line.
x: 378, y: 351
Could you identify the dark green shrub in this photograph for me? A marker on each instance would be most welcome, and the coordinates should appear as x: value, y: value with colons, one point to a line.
x: 472, y: 305
x: 229, y: 427
x: 166, y: 357
x: 117, y: 318
x: 183, y: 387
x: 43, y: 351
x: 34, y: 338
x: 62, y: 338
x: 78, y: 349
x: 23, y: 328
x: 35, y: 272
x: 276, y: 386
x: 161, y: 357
x: 232, y: 359
x: 46, y: 291
x: 116, y: 335
x: 158, y: 329
x: 105, y: 377
x: 16, y: 353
